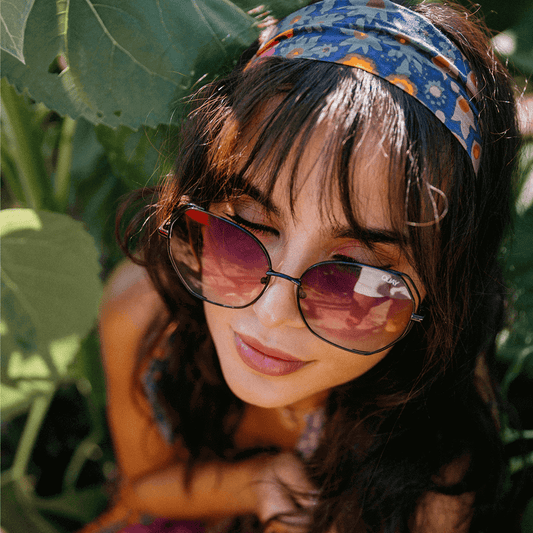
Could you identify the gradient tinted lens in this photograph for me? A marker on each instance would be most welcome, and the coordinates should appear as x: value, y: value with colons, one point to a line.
x: 354, y: 306
x: 217, y: 260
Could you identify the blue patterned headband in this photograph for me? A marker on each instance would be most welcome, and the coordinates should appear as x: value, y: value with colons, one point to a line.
x: 393, y: 43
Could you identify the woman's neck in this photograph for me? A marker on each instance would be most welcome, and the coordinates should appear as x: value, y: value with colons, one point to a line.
x: 294, y: 415
x: 311, y: 403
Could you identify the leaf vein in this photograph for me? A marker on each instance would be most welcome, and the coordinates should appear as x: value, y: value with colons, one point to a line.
x: 9, y: 33
x: 19, y: 294
x: 121, y: 48
x: 208, y: 25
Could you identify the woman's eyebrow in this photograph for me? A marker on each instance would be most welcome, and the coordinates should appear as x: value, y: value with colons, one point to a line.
x: 261, y: 198
x: 374, y: 235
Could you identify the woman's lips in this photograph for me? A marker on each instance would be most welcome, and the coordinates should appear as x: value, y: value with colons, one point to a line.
x: 265, y: 360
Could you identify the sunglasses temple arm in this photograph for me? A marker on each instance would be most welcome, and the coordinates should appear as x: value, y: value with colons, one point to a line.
x: 164, y: 229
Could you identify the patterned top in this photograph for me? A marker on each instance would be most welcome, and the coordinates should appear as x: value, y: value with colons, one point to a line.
x: 307, y: 443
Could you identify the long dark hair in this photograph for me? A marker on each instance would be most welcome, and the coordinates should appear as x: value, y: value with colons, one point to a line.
x: 390, y: 432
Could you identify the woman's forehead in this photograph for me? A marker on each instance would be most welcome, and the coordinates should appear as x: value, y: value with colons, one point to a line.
x: 310, y: 172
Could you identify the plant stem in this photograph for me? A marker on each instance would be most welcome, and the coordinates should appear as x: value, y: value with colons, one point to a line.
x: 26, y: 151
x: 9, y: 173
x: 64, y: 163
x: 31, y: 430
x: 514, y: 370
x: 40, y: 112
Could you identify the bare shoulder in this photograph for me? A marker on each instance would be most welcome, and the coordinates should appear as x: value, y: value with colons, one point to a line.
x: 128, y: 284
x: 129, y: 305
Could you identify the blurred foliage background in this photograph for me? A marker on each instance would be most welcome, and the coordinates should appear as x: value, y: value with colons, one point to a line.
x: 86, y: 93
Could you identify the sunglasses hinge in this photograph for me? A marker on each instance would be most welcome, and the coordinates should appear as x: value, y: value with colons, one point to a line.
x: 164, y: 229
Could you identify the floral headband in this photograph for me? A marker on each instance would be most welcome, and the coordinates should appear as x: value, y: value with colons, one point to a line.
x: 394, y: 43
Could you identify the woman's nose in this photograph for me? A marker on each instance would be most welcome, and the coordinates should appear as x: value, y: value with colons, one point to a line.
x: 278, y: 306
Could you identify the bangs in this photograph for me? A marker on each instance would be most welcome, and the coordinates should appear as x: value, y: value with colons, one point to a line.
x: 261, y: 121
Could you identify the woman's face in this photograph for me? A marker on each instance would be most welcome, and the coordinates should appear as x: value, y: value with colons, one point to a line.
x: 244, y: 338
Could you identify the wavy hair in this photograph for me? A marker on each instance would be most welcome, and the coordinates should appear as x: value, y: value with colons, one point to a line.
x: 390, y: 432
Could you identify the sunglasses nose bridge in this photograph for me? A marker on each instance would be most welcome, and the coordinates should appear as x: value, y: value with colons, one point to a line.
x: 275, y: 274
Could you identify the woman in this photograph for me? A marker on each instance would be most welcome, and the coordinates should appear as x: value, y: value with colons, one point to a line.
x: 309, y: 319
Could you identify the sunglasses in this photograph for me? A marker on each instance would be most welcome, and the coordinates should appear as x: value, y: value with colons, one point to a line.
x: 356, y: 307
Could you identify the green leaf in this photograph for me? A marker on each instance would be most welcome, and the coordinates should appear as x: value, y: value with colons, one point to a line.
x: 160, y: 49
x: 522, y: 57
x: 86, y: 150
x: 516, y: 44
x: 50, y: 296
x: 500, y: 15
x: 23, y: 139
x: 19, y: 514
x: 131, y: 62
x: 133, y: 155
x: 14, y: 17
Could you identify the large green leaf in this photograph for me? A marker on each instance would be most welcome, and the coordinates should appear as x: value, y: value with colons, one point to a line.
x: 130, y: 61
x: 127, y: 60
x: 50, y: 295
x: 13, y: 18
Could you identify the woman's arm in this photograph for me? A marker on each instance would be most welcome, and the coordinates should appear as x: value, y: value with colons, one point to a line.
x: 152, y: 471
x: 129, y: 305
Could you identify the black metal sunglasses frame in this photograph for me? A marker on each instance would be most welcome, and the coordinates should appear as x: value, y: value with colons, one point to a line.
x: 166, y: 228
